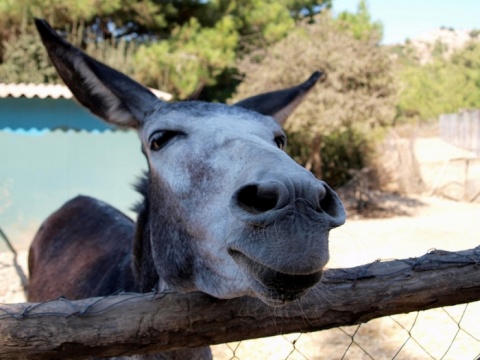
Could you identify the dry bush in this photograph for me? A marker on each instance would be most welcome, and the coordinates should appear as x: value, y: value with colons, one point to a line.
x: 357, y: 96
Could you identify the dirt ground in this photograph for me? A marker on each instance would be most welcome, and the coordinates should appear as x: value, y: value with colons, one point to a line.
x: 428, y: 222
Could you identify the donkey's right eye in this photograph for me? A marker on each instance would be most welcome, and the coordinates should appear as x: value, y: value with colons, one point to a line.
x: 160, y: 138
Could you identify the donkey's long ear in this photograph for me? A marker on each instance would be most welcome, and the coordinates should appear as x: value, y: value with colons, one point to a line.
x: 280, y: 104
x: 106, y: 92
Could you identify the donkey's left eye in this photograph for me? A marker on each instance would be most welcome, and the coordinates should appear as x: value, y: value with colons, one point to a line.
x: 280, y: 141
x: 160, y: 138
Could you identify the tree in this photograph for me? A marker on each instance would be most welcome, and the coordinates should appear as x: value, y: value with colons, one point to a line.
x: 26, y: 61
x: 442, y: 86
x: 191, y: 58
x: 357, y: 96
x: 183, y: 46
x: 202, y: 51
x: 22, y: 57
x: 360, y: 23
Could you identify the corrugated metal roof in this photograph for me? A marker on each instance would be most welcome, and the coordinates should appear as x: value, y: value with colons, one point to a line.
x: 34, y: 90
x: 54, y: 91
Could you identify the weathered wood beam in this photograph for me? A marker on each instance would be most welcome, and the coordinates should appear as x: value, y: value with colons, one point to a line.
x: 143, y: 323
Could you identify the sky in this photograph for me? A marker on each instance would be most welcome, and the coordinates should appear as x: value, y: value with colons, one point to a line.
x: 406, y: 19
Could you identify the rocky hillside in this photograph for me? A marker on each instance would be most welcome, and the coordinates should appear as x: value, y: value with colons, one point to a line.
x: 441, y: 41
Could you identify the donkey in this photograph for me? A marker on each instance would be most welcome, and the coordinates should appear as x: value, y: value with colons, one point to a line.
x: 225, y: 211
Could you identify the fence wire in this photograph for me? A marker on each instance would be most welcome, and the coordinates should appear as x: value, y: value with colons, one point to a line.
x: 442, y: 333
x: 462, y: 129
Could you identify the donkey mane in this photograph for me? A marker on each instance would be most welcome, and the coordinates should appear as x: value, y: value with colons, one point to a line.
x: 146, y: 278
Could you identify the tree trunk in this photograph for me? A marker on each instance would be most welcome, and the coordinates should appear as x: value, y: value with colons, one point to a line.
x: 143, y: 323
x: 314, y: 163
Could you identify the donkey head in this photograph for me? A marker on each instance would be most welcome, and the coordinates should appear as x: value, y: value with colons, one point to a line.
x: 229, y: 212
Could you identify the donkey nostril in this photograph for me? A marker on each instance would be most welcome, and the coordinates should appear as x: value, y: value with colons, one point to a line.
x: 328, y: 204
x: 255, y: 199
x: 331, y: 205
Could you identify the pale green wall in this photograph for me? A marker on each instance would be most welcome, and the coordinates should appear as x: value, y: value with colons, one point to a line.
x: 48, y: 113
x: 40, y: 171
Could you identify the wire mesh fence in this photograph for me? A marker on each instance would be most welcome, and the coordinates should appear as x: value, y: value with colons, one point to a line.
x: 443, y: 333
x: 462, y: 129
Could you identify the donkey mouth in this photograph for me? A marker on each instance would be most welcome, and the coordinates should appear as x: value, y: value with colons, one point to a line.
x: 273, y: 287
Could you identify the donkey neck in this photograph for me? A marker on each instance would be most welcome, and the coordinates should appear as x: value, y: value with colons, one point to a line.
x: 146, y: 278
x: 163, y: 255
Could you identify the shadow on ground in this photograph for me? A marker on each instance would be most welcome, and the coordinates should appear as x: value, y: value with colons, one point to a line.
x: 378, y: 205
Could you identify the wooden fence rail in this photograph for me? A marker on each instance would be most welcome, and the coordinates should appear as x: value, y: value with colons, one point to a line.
x: 143, y: 323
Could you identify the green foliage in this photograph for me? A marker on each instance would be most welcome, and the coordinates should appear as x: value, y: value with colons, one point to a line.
x: 202, y: 47
x: 443, y: 86
x: 360, y: 23
x: 193, y: 56
x: 263, y: 22
x: 341, y: 151
x: 184, y: 46
x: 19, y: 13
x: 25, y: 61
x: 475, y: 33
x: 117, y: 54
x: 357, y: 97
